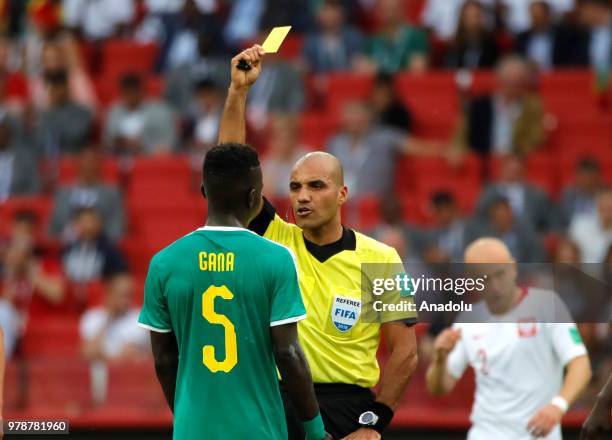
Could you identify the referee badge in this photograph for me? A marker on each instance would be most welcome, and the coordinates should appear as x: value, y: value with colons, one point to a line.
x: 345, y: 312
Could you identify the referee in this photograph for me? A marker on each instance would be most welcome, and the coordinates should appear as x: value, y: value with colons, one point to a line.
x: 340, y: 348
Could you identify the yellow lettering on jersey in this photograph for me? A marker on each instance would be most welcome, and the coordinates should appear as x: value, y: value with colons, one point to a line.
x: 216, y: 262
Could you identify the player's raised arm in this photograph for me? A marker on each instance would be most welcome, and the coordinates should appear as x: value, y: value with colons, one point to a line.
x: 233, y: 120
x: 599, y: 421
x: 439, y: 380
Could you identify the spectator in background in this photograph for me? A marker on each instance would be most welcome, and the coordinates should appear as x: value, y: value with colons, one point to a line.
x: 597, y: 17
x: 334, y: 46
x: 442, y: 16
x: 88, y: 191
x: 593, y: 232
x: 13, y: 84
x: 23, y: 229
x: 516, y: 16
x: 202, y: 122
x: 550, y: 45
x: 473, y: 45
x: 283, y: 153
x: 244, y: 22
x: 18, y: 166
x: 579, y: 198
x: 89, y: 256
x: 279, y: 89
x: 181, y: 80
x: 508, y: 122
x: 448, y: 232
x: 25, y: 276
x: 109, y: 332
x: 395, y: 232
x: 61, y: 54
x: 98, y: 20
x: 369, y: 152
x: 387, y: 107
x: 529, y: 204
x: 524, y: 244
x: 136, y: 125
x: 397, y: 46
x: 65, y: 127
x: 185, y: 31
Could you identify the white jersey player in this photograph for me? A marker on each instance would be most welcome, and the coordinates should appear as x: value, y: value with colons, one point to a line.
x: 518, y: 355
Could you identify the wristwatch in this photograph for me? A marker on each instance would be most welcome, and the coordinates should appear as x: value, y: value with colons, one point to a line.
x: 368, y: 419
x: 377, y: 417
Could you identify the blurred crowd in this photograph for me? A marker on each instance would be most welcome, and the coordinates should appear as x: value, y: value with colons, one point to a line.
x: 50, y: 108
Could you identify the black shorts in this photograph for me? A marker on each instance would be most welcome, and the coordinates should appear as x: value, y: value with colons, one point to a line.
x: 340, y: 404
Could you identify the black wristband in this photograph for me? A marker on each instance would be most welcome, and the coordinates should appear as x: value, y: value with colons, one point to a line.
x: 385, y: 415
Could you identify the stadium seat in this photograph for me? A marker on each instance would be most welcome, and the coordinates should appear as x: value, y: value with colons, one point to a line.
x: 107, y: 88
x: 122, y: 56
x: 540, y: 170
x: 68, y: 171
x: 292, y: 47
x: 41, y: 206
x: 52, y: 336
x: 59, y: 382
x: 316, y: 130
x: 345, y: 87
x: 414, y: 11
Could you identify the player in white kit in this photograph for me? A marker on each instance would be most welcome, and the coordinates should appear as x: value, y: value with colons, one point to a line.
x: 517, y: 352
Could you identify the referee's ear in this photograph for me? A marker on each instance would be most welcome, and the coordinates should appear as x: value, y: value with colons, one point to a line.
x: 343, y: 195
x: 202, y: 190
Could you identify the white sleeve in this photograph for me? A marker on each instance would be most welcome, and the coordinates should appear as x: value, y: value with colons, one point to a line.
x: 566, y: 341
x: 90, y: 325
x: 458, y: 359
x: 72, y: 12
x: 123, y: 11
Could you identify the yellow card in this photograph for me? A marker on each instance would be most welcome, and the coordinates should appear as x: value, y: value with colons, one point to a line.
x: 275, y: 39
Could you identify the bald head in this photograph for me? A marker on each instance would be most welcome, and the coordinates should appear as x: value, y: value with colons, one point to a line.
x: 328, y: 164
x: 488, y: 250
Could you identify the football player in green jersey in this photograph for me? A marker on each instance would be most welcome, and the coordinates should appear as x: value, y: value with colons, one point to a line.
x: 222, y: 305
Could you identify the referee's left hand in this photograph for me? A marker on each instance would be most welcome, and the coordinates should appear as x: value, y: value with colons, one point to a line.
x: 363, y: 434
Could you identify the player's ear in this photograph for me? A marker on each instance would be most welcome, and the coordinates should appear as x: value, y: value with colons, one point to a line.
x: 202, y: 190
x: 253, y: 199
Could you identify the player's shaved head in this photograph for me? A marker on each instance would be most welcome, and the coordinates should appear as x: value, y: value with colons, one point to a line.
x: 328, y: 164
x: 488, y: 250
x: 232, y: 180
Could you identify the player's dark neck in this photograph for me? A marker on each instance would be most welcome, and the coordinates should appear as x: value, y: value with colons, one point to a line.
x: 225, y: 219
x: 325, y: 234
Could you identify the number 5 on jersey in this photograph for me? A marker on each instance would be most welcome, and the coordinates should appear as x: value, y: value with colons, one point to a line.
x: 231, y: 349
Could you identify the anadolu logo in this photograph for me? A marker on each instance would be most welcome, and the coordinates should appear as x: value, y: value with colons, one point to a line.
x: 345, y: 312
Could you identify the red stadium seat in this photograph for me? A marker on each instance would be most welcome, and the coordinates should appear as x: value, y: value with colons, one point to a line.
x: 292, y: 47
x: 68, y: 171
x: 52, y: 336
x: 414, y: 11
x: 316, y: 129
x: 41, y: 206
x: 540, y: 170
x: 122, y: 56
x: 345, y: 87
x: 107, y: 88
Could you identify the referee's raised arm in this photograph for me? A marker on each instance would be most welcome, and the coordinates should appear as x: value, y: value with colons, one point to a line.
x: 233, y: 123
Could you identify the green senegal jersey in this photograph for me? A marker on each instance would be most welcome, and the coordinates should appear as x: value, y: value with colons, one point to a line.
x: 219, y: 290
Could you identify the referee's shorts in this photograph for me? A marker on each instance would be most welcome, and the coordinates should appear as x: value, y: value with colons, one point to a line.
x: 340, y: 405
